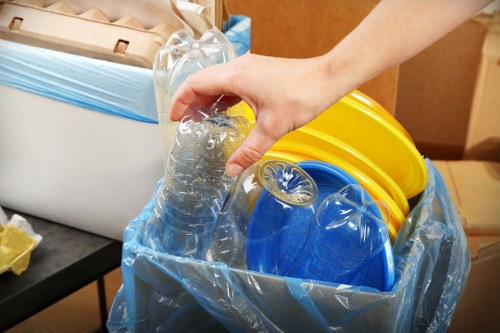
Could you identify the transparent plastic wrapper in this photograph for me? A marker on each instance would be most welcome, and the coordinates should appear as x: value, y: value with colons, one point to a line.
x: 237, y: 30
x: 94, y: 84
x: 268, y: 195
x: 195, y: 183
x: 162, y: 292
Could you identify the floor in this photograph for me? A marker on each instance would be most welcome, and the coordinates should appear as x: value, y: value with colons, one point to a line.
x: 77, y: 313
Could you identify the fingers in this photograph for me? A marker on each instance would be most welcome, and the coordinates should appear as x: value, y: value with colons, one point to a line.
x: 210, y: 82
x: 251, y: 150
x: 230, y: 100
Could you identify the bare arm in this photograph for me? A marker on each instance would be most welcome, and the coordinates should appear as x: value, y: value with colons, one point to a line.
x: 286, y: 94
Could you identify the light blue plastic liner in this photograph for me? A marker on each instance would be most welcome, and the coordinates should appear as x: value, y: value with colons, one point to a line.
x: 94, y: 84
x: 164, y: 293
x: 237, y: 31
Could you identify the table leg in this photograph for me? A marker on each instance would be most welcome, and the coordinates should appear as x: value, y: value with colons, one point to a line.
x: 103, y: 308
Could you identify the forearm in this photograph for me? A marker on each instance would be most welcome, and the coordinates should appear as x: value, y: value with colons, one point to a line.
x: 393, y: 32
x: 286, y: 94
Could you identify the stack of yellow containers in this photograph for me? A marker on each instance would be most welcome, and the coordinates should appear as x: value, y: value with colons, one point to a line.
x: 359, y: 136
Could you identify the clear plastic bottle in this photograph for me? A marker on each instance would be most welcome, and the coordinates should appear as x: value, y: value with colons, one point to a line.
x: 344, y: 238
x: 195, y: 149
x: 195, y: 184
x: 181, y: 56
x: 252, y: 228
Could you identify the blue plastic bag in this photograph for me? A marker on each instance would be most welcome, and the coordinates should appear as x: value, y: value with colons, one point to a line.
x: 165, y: 293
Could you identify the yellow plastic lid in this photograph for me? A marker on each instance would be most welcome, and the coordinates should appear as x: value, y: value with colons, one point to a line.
x: 310, y: 142
x: 378, y: 140
x: 369, y: 103
x: 369, y: 129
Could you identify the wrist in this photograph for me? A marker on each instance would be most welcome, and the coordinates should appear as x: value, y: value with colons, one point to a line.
x: 337, y: 75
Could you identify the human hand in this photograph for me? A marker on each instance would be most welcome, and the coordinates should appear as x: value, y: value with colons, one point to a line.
x: 285, y: 94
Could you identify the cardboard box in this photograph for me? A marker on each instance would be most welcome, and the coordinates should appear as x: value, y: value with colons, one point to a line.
x: 475, y: 189
x: 304, y: 28
x: 481, y: 300
x: 483, y: 136
x: 435, y: 92
x: 91, y: 33
x: 130, y: 34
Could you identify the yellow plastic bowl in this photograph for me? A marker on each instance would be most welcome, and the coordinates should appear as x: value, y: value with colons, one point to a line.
x: 324, y: 147
x: 369, y: 103
x: 374, y: 134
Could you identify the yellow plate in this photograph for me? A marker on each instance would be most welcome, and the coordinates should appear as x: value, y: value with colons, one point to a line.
x: 307, y: 141
x: 375, y: 190
x: 396, y: 217
x: 244, y: 109
x: 378, y: 140
x: 290, y: 157
x: 385, y: 144
x: 369, y: 103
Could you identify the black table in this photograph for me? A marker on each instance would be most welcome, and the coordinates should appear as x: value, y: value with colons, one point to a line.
x: 66, y: 260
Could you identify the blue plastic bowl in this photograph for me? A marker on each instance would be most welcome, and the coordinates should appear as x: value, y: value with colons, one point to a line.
x: 276, y: 253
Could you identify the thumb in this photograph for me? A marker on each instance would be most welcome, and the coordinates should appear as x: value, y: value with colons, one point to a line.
x: 251, y: 150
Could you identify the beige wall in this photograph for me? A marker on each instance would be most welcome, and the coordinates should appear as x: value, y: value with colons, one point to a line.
x: 305, y: 28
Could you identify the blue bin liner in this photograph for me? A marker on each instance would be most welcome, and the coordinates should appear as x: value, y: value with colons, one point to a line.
x: 165, y: 293
x: 237, y: 31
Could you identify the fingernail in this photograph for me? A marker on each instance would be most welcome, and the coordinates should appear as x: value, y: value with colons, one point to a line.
x: 234, y: 169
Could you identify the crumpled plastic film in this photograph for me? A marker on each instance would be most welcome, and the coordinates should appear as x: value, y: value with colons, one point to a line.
x: 17, y: 241
x: 162, y: 292
x: 237, y: 30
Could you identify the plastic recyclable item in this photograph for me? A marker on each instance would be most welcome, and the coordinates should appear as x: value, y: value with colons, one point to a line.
x: 288, y: 194
x: 322, y: 146
x: 285, y: 156
x: 250, y: 227
x: 330, y: 179
x: 166, y: 293
x: 383, y: 143
x: 308, y: 143
x: 379, y: 272
x: 372, y: 187
x: 366, y: 101
x: 175, y: 61
x: 345, y: 237
x: 195, y: 150
x: 195, y: 184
